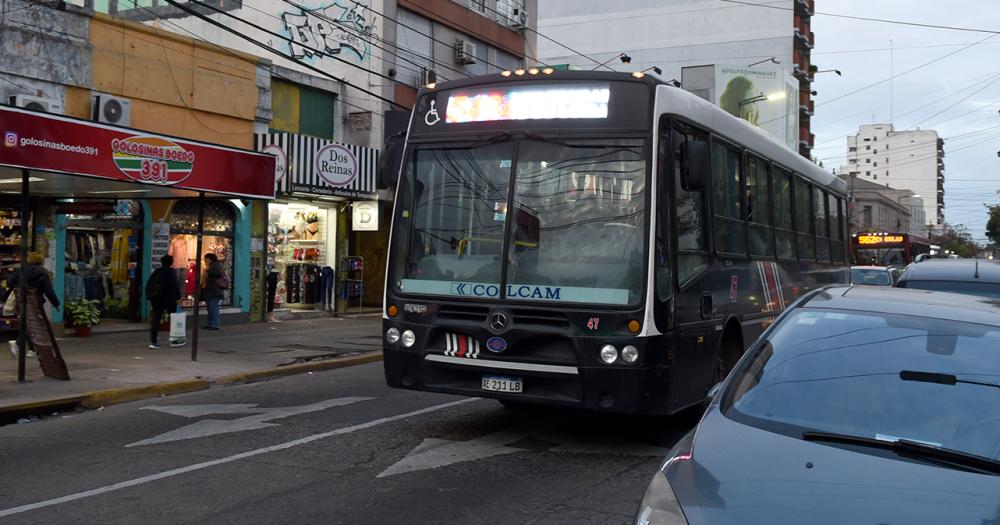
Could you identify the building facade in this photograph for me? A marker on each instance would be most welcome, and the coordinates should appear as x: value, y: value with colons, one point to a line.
x: 909, y: 159
x: 876, y: 207
x: 675, y: 34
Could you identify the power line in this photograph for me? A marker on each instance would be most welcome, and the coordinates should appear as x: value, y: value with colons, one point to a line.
x: 957, y: 102
x: 871, y: 19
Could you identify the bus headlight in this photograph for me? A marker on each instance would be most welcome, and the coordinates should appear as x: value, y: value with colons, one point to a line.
x: 392, y: 335
x: 630, y: 354
x: 609, y: 354
x: 409, y: 338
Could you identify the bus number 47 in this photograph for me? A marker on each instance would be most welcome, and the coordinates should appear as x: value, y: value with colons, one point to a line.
x: 593, y: 323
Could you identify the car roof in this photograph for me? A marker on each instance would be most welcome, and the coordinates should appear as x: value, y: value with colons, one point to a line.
x: 908, y: 301
x: 953, y: 270
x: 869, y: 267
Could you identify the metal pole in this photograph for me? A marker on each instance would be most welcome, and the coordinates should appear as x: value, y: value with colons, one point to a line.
x: 22, y: 283
x: 197, y: 275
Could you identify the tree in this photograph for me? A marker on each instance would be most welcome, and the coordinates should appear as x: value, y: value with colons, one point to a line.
x: 993, y: 224
x: 955, y: 239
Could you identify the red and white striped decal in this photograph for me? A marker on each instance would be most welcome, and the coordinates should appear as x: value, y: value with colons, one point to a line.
x: 461, y: 346
x: 770, y: 283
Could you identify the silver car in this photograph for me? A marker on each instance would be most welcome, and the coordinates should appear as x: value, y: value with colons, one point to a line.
x: 859, y: 405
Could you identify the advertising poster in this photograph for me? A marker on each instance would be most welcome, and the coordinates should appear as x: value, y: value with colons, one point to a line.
x: 766, y: 97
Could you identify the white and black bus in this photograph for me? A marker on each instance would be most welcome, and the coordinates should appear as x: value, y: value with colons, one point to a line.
x: 594, y: 239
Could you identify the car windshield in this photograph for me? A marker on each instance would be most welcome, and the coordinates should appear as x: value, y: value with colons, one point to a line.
x: 575, y: 222
x: 871, y: 276
x: 991, y: 290
x: 875, y: 375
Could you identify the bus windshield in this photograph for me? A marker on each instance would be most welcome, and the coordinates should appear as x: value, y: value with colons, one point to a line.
x: 575, y: 223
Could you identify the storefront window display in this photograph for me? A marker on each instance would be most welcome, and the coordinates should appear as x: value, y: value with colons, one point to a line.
x: 300, y: 253
x: 219, y: 236
x: 103, y: 259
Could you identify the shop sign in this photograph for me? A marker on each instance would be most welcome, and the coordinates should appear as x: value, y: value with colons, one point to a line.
x: 336, y: 165
x: 281, y: 161
x: 161, y: 242
x: 56, y: 143
x: 365, y: 216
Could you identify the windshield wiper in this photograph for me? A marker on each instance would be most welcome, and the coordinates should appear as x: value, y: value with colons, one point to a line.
x: 916, y: 449
x: 941, y: 379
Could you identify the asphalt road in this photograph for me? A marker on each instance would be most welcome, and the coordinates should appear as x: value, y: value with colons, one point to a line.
x: 329, y: 447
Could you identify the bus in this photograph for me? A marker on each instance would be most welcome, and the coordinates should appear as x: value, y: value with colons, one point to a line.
x: 598, y: 240
x: 886, y: 248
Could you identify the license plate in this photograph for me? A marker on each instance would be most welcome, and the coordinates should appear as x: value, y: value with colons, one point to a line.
x: 503, y: 384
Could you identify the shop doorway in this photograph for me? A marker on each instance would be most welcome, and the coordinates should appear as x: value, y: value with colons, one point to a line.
x: 219, y: 238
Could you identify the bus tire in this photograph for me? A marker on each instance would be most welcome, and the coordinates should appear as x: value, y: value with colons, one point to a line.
x: 730, y: 350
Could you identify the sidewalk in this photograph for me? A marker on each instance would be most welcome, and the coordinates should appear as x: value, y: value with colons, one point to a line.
x: 117, y: 367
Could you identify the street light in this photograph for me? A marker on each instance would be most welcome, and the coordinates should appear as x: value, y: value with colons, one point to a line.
x: 640, y: 74
x: 762, y: 97
x: 772, y: 59
x: 837, y: 71
x: 621, y: 56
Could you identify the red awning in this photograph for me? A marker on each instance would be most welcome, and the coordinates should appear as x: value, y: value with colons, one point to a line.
x: 119, y: 161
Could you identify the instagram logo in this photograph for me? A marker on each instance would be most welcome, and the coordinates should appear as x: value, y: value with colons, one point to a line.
x: 10, y: 139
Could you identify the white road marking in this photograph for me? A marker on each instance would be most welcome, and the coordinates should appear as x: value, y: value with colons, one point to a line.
x: 212, y: 427
x: 229, y: 459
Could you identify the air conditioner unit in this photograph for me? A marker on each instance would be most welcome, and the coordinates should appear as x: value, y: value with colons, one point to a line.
x: 48, y: 105
x: 110, y: 109
x: 465, y: 52
x: 520, y: 19
x: 427, y: 76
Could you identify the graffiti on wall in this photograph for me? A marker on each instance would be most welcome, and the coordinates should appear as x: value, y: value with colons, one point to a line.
x: 330, y: 30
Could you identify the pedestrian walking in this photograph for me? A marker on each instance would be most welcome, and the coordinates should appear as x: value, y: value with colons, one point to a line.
x: 163, y: 291
x: 38, y: 280
x: 213, y: 282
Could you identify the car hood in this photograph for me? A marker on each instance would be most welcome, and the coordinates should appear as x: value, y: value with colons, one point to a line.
x: 739, y: 474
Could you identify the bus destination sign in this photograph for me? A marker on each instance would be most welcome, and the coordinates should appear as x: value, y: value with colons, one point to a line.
x: 526, y: 103
x: 870, y: 239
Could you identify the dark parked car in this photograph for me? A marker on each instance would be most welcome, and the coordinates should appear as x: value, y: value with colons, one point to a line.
x: 859, y: 405
x: 872, y: 275
x: 968, y: 276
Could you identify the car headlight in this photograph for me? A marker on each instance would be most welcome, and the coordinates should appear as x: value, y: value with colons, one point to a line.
x: 392, y: 335
x: 609, y: 354
x: 409, y: 338
x: 659, y: 505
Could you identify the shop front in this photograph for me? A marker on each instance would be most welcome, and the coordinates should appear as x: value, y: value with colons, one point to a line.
x: 69, y: 168
x: 310, y: 262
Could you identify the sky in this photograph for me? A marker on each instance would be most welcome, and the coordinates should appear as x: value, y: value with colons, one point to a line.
x: 958, y: 96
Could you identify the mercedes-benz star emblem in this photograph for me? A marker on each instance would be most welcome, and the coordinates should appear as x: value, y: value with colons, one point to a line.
x: 498, y: 321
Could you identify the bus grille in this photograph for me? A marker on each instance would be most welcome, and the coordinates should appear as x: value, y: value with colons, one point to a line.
x: 473, y: 314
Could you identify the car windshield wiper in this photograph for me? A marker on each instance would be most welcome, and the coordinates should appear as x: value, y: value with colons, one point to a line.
x: 916, y: 449
x: 941, y: 379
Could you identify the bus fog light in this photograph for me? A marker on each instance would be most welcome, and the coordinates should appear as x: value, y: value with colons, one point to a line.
x: 392, y: 336
x: 609, y: 354
x: 409, y: 338
x: 630, y: 354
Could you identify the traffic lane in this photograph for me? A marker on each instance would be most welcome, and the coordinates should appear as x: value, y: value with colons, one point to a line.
x: 337, y: 480
x: 356, y: 456
x: 63, y: 455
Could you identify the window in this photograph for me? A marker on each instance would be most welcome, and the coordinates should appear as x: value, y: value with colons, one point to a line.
x: 759, y: 207
x: 783, y: 220
x: 301, y: 109
x: 868, y: 139
x: 730, y: 228
x: 822, y: 215
x: 804, y: 219
x: 868, y: 148
x: 868, y: 161
x: 875, y: 151
x: 413, y: 46
x: 875, y: 164
x: 692, y: 244
x: 836, y: 229
x: 866, y: 216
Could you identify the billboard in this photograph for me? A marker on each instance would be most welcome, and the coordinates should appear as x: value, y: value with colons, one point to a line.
x: 766, y: 97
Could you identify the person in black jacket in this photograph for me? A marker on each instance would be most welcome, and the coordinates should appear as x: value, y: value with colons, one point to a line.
x: 164, y: 293
x: 212, y: 286
x: 38, y: 278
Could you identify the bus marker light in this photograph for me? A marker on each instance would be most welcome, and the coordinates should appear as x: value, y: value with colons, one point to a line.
x: 392, y: 335
x: 519, y: 72
x: 409, y: 338
x: 505, y: 73
x: 634, y: 326
x: 638, y: 74
x: 548, y: 71
x: 630, y: 354
x: 609, y: 354
x: 392, y: 310
x: 533, y: 71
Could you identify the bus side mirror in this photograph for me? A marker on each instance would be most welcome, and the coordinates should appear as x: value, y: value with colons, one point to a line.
x: 390, y: 161
x: 695, y: 165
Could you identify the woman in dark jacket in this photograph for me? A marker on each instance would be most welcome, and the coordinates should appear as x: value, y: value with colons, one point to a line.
x: 211, y: 289
x: 164, y: 293
x: 38, y: 278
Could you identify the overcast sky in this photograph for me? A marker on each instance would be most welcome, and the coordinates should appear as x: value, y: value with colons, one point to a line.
x: 971, y: 128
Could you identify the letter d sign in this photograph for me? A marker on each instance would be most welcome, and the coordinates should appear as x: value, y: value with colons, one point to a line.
x: 364, y: 216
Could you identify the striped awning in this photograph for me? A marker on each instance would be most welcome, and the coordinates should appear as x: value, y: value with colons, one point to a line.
x: 321, y: 167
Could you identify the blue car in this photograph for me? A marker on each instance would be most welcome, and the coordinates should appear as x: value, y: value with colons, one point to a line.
x: 859, y: 405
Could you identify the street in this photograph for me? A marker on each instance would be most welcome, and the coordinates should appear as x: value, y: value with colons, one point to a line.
x: 330, y: 447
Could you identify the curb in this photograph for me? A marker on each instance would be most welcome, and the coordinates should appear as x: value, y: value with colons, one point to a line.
x: 101, y: 398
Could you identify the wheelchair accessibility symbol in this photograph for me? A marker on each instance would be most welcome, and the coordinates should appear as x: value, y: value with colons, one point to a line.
x: 432, y: 116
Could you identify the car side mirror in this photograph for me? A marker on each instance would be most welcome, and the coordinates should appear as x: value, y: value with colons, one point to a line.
x: 695, y: 165
x: 390, y: 161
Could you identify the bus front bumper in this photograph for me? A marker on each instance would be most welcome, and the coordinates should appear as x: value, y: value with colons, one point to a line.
x: 620, y: 389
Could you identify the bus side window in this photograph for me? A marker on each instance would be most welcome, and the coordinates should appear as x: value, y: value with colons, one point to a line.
x: 822, y: 225
x: 784, y: 221
x: 730, y: 228
x: 804, y: 219
x: 692, y: 244
x: 759, y: 207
